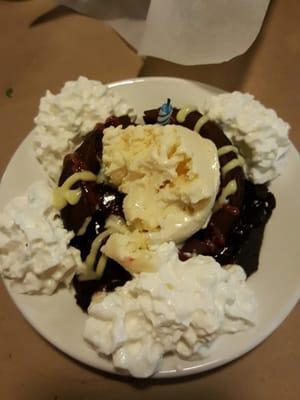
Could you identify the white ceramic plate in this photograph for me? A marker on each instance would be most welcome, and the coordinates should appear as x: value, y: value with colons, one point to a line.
x: 276, y: 284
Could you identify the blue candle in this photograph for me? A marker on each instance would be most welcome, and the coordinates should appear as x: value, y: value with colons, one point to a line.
x: 165, y: 113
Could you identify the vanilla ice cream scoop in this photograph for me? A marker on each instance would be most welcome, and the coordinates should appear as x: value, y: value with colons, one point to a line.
x: 169, y: 174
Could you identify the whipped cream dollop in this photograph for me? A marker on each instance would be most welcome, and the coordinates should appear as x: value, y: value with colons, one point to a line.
x: 63, y: 119
x: 260, y: 135
x: 181, y: 309
x: 169, y: 175
x: 34, y: 251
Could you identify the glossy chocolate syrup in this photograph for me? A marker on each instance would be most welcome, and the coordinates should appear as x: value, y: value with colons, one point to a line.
x: 98, y: 202
x: 244, y: 242
x: 234, y: 233
x: 114, y: 275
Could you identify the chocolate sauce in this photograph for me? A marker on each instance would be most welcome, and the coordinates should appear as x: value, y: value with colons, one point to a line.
x: 113, y: 276
x: 244, y: 242
x: 88, y: 157
x: 98, y: 202
x: 109, y: 203
x: 233, y: 235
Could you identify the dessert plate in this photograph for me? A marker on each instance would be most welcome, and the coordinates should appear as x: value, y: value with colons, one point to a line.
x: 276, y: 284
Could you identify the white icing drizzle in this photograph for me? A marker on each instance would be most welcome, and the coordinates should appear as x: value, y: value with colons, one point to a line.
x: 184, y: 112
x: 63, y: 195
x: 227, y: 191
x: 227, y: 149
x: 84, y: 226
x: 100, y: 176
x: 113, y: 224
x: 231, y: 186
x: 101, y: 265
x: 91, y: 258
x: 201, y: 121
x: 236, y: 162
x: 90, y: 275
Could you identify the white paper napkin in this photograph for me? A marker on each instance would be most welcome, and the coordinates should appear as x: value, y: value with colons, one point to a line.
x: 187, y: 32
